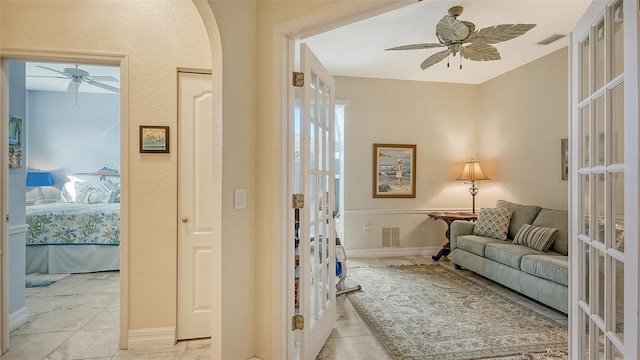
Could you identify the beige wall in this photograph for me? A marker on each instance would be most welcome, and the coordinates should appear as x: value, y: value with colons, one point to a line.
x: 512, y: 124
x: 441, y: 120
x: 525, y: 114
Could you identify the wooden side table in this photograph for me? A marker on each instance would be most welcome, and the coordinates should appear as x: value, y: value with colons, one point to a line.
x: 449, y: 217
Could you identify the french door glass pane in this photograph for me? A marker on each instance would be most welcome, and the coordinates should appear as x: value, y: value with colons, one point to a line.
x: 314, y: 95
x: 584, y: 336
x: 583, y: 81
x: 585, y: 130
x: 599, y: 60
x: 583, y: 258
x: 599, y: 136
x: 617, y: 124
x: 312, y: 298
x: 599, y: 274
x: 617, y: 39
x: 618, y: 298
x: 617, y: 195
x: 599, y: 234
x: 584, y: 190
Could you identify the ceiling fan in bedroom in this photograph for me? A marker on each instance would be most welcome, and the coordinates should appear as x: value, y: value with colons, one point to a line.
x: 460, y: 36
x: 79, y: 76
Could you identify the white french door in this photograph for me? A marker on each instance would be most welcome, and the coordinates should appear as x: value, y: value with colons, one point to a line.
x: 314, y: 173
x: 604, y: 183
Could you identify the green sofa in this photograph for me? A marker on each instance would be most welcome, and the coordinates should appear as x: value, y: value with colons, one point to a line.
x: 542, y: 276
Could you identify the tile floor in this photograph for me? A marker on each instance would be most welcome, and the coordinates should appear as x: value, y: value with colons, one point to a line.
x: 77, y: 318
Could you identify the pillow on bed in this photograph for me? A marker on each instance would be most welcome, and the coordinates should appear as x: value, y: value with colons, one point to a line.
x: 85, y: 192
x: 115, y: 190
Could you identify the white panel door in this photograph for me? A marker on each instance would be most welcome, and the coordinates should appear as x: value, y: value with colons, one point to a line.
x: 317, y: 267
x: 604, y: 183
x: 195, y: 211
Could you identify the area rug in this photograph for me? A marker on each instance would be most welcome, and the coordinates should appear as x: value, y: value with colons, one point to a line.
x: 41, y: 280
x: 431, y: 312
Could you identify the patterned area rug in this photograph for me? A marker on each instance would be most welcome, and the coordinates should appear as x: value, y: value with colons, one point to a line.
x: 430, y: 312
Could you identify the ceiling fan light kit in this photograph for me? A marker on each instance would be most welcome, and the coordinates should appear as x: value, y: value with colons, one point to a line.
x: 461, y: 37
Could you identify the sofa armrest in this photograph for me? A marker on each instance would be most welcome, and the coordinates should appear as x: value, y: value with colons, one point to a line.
x: 459, y: 228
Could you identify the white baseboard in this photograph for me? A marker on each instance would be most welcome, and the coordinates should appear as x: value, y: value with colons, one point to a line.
x: 392, y: 252
x: 151, y: 338
x: 18, y: 318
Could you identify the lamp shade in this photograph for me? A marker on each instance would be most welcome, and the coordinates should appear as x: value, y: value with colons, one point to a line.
x: 39, y: 178
x: 472, y: 172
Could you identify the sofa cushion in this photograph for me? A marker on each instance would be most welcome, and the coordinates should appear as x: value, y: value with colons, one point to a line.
x: 558, y: 219
x: 475, y: 244
x: 551, y: 266
x: 536, y: 237
x: 508, y: 254
x: 522, y: 214
x: 493, y: 222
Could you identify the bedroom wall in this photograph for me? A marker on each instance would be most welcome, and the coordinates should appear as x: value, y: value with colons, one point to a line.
x: 67, y: 139
x: 508, y: 123
x: 17, y: 188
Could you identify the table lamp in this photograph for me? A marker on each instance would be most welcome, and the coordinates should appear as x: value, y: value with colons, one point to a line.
x: 39, y: 179
x: 470, y: 174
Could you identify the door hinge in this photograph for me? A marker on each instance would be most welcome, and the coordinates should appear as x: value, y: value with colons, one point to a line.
x: 297, y: 322
x: 298, y: 79
x: 297, y: 201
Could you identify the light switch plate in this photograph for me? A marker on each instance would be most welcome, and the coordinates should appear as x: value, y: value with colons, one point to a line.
x: 240, y: 199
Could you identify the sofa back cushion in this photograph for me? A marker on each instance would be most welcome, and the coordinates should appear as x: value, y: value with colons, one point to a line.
x: 558, y: 219
x: 522, y: 214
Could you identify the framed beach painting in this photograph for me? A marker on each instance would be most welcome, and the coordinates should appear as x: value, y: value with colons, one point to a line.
x: 15, y: 143
x: 394, y: 171
x: 154, y: 139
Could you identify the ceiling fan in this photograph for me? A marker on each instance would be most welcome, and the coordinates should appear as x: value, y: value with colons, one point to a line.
x: 455, y: 34
x: 79, y: 76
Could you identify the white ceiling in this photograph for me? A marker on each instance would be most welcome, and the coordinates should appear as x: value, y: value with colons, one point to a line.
x: 358, y: 49
x: 47, y: 80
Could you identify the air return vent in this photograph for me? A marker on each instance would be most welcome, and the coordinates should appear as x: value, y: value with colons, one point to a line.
x: 391, y: 237
x: 550, y: 39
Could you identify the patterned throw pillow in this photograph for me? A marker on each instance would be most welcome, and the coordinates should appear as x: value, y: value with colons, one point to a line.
x: 493, y: 222
x: 536, y: 237
x: 114, y: 189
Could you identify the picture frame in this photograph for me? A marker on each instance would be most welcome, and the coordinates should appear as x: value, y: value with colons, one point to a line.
x: 154, y: 139
x: 15, y: 143
x: 394, y: 171
x: 564, y: 159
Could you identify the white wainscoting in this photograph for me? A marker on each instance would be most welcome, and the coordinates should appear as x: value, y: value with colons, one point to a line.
x: 18, y: 318
x: 18, y: 229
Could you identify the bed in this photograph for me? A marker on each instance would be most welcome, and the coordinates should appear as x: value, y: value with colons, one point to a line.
x: 78, y: 234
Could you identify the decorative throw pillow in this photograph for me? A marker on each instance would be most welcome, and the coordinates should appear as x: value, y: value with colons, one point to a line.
x: 493, y: 222
x: 536, y: 237
x: 113, y: 188
x: 68, y: 193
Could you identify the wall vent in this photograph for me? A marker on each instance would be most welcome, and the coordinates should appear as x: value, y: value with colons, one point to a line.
x: 550, y: 39
x: 391, y: 237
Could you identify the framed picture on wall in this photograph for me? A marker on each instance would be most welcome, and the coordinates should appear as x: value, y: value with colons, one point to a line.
x: 394, y: 171
x: 15, y: 143
x: 154, y: 139
x: 564, y: 158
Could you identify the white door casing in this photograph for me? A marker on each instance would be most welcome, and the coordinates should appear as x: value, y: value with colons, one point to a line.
x: 195, y: 204
x: 317, y: 233
x: 604, y: 183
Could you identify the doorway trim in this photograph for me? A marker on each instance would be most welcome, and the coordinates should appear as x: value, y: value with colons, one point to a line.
x: 283, y: 52
x: 122, y: 61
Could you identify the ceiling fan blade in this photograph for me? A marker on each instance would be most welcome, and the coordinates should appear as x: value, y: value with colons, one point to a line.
x: 500, y: 33
x: 416, y: 46
x: 450, y: 29
x: 47, y: 76
x: 101, y: 85
x: 54, y: 70
x: 434, y: 59
x: 478, y: 51
x: 102, y: 78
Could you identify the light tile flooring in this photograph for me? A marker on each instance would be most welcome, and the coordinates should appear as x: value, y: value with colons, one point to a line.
x: 77, y: 318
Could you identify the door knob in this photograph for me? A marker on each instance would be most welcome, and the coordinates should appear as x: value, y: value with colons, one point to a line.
x: 185, y: 220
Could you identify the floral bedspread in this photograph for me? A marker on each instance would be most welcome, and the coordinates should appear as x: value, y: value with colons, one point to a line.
x: 73, y: 223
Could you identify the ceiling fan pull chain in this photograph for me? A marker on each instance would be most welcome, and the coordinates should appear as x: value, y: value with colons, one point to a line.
x: 448, y: 60
x: 460, y: 62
